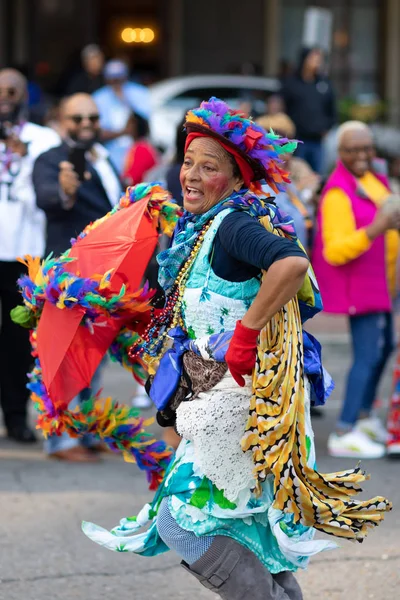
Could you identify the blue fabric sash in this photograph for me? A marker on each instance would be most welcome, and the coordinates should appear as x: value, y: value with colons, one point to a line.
x: 167, y: 377
x: 322, y: 383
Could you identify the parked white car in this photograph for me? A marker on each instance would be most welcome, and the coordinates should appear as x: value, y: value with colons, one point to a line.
x: 171, y: 98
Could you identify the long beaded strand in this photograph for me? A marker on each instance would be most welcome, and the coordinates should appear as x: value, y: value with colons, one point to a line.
x: 155, y: 335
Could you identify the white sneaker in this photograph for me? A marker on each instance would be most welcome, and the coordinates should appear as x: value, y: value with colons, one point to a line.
x: 354, y: 444
x: 141, y: 400
x: 373, y: 428
x: 393, y: 450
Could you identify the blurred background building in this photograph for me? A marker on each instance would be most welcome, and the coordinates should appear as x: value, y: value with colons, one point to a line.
x: 164, y: 38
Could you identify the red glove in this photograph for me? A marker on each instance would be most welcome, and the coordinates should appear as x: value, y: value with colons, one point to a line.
x: 242, y: 352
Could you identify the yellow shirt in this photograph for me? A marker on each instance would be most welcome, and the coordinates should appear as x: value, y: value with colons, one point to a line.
x: 343, y: 242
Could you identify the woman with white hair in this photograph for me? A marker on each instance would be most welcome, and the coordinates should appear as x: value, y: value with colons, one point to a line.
x: 354, y: 258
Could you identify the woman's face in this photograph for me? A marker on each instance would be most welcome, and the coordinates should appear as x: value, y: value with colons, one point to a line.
x: 207, y: 175
x: 357, y: 151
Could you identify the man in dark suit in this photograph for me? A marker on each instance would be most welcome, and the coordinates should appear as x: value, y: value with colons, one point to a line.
x: 71, y: 201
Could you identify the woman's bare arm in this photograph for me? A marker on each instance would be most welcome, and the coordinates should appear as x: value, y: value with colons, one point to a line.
x: 280, y: 284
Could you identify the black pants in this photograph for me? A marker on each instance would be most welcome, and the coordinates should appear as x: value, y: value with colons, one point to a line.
x: 15, y: 351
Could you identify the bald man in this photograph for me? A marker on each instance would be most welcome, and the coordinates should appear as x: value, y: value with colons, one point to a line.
x: 22, y: 228
x: 71, y: 200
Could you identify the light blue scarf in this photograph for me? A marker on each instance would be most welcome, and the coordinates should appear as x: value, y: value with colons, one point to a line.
x: 190, y: 225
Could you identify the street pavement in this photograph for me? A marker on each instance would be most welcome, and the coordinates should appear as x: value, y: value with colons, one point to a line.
x: 44, y: 555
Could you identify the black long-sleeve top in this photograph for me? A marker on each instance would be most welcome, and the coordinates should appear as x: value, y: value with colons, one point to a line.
x: 243, y: 247
x: 310, y: 105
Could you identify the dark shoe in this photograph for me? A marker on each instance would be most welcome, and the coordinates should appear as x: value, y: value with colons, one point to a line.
x: 234, y: 573
x: 77, y: 454
x: 393, y: 450
x: 22, y: 434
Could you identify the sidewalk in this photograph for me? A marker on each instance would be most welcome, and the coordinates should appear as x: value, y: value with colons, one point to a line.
x: 44, y: 555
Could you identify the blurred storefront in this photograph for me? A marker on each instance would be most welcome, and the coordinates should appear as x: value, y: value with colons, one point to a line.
x: 261, y: 37
x: 364, y: 45
x: 364, y: 48
x: 47, y: 35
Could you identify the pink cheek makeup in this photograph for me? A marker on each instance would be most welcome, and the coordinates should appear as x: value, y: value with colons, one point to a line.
x: 219, y: 184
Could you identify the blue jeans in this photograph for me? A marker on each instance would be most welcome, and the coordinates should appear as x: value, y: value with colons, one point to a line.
x: 311, y: 151
x: 373, y: 341
x: 56, y: 443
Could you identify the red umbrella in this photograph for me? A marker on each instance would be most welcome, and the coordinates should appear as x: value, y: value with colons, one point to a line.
x: 69, y: 353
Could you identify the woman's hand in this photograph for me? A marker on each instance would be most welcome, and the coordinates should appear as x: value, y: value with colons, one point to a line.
x: 385, y: 219
x: 242, y: 351
x: 280, y: 284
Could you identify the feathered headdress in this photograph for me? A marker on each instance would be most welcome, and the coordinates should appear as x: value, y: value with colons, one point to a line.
x: 261, y: 150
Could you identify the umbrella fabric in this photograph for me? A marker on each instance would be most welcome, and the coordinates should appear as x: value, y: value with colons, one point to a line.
x: 69, y: 352
x: 85, y: 301
x: 124, y: 243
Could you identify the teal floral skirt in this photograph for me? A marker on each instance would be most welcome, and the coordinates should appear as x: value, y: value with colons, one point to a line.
x: 200, y: 503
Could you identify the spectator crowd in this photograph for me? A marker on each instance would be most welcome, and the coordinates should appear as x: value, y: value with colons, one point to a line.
x: 58, y: 177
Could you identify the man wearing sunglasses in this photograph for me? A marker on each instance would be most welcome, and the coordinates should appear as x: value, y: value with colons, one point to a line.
x: 75, y: 184
x: 22, y: 227
x: 72, y: 199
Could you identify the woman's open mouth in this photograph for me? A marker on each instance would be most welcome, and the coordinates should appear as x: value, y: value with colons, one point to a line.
x: 192, y: 193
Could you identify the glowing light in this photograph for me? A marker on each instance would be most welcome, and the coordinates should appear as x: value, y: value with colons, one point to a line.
x: 137, y: 35
x: 148, y: 35
x: 127, y: 35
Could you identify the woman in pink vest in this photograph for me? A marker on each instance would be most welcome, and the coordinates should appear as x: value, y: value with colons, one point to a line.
x: 354, y: 258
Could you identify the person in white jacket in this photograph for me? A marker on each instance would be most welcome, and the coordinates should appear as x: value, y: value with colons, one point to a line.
x: 22, y: 231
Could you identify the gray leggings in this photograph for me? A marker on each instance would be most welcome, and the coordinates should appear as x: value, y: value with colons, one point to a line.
x: 189, y: 546
x: 203, y: 561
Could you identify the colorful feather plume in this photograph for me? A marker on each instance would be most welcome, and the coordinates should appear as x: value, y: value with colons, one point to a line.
x: 161, y: 208
x: 120, y: 427
x: 50, y: 282
x: 263, y: 149
x: 118, y: 352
